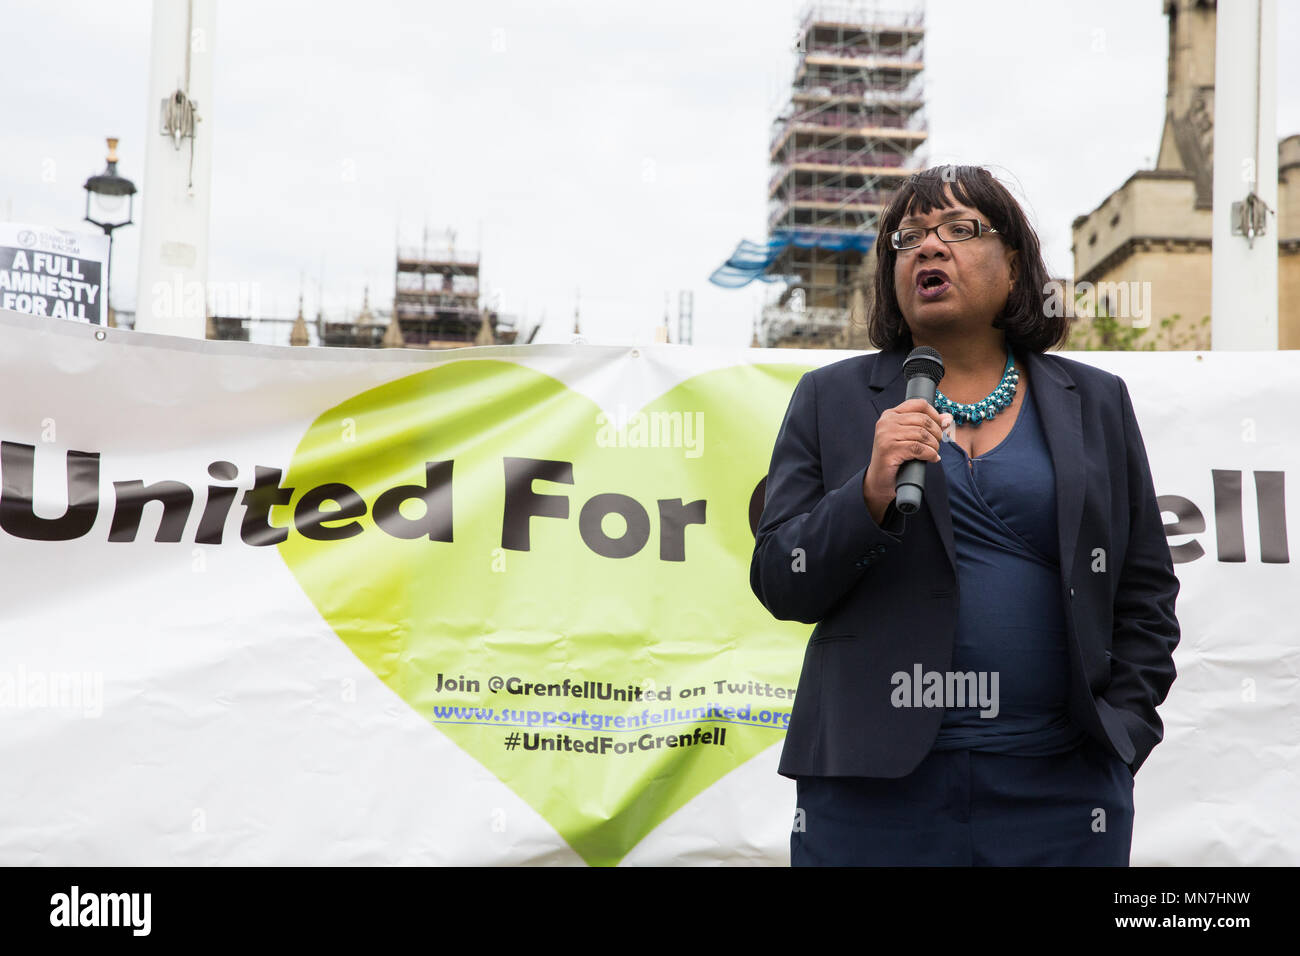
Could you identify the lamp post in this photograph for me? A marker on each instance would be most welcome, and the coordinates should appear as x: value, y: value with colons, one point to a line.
x: 106, y: 195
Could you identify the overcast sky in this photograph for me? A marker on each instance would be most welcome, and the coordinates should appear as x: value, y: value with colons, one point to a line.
x: 613, y: 148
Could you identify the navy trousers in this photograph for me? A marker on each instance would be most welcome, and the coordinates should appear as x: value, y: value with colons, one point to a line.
x: 972, y: 808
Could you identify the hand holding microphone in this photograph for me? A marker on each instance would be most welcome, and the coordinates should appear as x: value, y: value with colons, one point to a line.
x: 907, y: 436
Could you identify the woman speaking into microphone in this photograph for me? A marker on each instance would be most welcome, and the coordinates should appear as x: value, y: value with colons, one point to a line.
x: 982, y: 680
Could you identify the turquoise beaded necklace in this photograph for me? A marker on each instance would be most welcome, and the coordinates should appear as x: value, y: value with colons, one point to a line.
x: 985, y: 408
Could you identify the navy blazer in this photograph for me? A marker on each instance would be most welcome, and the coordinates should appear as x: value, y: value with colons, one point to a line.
x: 886, y: 599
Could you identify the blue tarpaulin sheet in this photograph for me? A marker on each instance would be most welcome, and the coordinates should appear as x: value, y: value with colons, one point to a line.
x: 751, y: 260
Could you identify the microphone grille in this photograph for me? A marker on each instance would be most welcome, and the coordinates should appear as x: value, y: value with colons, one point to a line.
x: 923, y: 360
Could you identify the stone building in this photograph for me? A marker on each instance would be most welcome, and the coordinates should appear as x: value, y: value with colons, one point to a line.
x: 1143, y: 254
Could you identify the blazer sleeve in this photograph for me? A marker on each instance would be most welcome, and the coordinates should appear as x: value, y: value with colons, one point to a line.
x: 1145, y: 629
x: 812, y: 545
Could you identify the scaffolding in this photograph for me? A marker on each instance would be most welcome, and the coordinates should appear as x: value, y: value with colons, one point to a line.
x: 436, y: 298
x: 849, y: 135
x: 436, y: 305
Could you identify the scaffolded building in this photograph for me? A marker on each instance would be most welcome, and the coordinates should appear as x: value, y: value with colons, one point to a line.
x: 366, y: 331
x: 436, y: 305
x: 846, y: 139
x: 436, y: 299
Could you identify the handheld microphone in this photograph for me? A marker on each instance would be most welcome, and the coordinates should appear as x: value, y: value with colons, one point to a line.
x: 923, y: 370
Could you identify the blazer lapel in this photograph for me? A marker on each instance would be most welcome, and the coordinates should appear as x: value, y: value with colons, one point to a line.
x: 890, y: 388
x: 1057, y: 401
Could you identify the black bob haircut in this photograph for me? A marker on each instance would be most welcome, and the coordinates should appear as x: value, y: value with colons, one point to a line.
x: 1028, y: 321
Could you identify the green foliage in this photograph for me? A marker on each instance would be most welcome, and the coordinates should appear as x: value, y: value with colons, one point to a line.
x: 1106, y: 333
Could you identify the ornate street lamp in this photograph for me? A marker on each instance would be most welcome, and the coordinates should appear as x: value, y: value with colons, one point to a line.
x: 108, y: 197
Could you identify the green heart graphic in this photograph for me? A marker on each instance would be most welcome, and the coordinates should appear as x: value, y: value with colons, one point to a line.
x: 417, y: 611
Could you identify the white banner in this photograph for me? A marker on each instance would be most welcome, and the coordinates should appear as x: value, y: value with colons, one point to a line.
x: 273, y: 605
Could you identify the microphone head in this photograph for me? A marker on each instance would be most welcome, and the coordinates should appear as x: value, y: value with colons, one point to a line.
x: 923, y: 360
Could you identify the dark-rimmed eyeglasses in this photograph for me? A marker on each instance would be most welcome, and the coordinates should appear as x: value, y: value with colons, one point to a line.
x: 954, y: 230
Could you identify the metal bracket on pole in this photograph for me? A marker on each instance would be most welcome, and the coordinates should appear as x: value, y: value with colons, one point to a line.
x: 179, y: 114
x: 1250, y: 218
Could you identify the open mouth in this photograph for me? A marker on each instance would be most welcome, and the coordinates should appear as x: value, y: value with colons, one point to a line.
x: 931, y: 285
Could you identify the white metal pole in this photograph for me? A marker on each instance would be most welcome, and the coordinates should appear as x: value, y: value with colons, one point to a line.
x: 172, y: 288
x: 1244, y: 268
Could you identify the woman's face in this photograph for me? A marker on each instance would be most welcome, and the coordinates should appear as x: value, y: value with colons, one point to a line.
x: 979, y: 275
